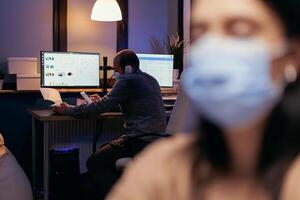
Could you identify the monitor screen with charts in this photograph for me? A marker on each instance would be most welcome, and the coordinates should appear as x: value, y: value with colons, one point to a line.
x: 70, y: 70
x: 159, y: 66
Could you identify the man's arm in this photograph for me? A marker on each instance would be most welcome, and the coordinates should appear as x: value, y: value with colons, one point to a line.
x: 116, y: 96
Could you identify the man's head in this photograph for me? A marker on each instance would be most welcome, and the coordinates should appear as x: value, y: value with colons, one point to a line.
x: 126, y: 61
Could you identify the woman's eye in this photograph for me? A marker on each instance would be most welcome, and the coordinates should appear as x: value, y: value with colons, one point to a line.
x: 197, y: 30
x: 242, y: 28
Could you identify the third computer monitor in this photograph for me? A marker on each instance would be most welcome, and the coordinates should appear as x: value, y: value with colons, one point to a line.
x: 159, y: 66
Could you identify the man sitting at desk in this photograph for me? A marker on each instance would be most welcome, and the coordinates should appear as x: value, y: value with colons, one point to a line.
x: 139, y: 97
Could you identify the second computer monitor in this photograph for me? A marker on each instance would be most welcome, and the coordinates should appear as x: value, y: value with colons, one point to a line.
x: 159, y: 66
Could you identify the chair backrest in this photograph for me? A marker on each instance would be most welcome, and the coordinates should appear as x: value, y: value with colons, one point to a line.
x: 183, y: 117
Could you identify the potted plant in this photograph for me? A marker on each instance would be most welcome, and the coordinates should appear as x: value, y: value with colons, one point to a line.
x: 175, y: 46
x: 2, y: 76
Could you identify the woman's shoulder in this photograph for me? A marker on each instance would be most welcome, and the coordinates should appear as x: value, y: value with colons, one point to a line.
x: 291, y: 182
x: 150, y: 173
x: 163, y: 149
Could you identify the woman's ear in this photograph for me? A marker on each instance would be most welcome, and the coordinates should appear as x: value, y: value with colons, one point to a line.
x: 290, y: 73
x: 285, y: 69
x: 292, y: 64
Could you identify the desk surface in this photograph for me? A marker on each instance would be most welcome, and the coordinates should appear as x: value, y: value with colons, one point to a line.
x: 78, y: 90
x: 49, y: 115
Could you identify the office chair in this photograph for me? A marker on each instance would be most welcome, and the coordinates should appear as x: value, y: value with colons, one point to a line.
x: 183, y: 118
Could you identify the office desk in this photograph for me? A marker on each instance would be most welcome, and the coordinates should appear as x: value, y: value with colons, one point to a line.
x: 47, y: 118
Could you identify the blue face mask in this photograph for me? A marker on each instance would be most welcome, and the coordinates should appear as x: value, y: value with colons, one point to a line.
x: 229, y: 80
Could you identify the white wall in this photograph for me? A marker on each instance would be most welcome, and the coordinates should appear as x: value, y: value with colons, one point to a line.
x: 85, y: 35
x: 26, y: 28
x: 173, y: 16
x: 186, y: 28
x: 155, y: 18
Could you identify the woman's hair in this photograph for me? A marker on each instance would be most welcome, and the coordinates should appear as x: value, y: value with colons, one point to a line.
x: 281, y: 140
x: 288, y: 11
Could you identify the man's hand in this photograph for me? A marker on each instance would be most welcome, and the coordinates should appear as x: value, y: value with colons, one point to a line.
x: 95, y: 98
x: 61, y: 109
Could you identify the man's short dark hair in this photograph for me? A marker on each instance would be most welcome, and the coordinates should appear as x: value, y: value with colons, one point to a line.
x: 127, y: 57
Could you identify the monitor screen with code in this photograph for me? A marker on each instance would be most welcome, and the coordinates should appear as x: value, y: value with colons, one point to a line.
x: 70, y: 70
x: 159, y: 66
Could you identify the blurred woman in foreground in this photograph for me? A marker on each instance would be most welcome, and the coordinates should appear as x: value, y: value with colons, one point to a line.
x: 243, y: 81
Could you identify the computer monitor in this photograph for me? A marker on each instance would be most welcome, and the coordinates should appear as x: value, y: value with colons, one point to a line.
x: 159, y: 66
x: 70, y: 70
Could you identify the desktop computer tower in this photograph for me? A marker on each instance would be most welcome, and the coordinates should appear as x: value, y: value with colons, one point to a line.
x: 64, y: 174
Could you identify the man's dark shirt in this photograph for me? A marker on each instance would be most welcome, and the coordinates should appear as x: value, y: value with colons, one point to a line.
x: 139, y: 97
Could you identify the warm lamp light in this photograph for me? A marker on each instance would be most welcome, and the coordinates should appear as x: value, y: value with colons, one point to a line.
x: 106, y: 10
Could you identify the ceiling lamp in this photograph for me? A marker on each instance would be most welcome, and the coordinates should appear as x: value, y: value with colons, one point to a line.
x: 107, y: 11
